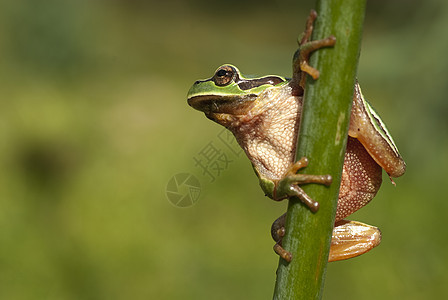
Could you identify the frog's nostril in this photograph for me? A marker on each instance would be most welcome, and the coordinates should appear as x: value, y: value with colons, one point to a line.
x: 197, y: 82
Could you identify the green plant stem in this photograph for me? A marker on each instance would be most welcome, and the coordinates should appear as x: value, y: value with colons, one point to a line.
x: 323, y: 137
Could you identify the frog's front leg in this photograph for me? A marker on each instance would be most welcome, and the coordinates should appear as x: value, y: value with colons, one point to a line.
x: 288, y: 186
x: 306, y: 47
x: 349, y: 239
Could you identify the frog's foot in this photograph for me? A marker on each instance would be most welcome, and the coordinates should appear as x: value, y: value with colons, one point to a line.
x: 351, y: 238
x: 289, y: 185
x: 306, y: 47
x: 277, y: 233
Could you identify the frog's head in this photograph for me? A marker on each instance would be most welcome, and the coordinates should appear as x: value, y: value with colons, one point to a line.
x: 228, y: 92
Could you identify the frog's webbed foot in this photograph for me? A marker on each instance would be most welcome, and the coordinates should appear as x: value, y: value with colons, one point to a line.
x: 306, y: 47
x: 289, y: 185
x: 351, y: 239
x: 277, y: 233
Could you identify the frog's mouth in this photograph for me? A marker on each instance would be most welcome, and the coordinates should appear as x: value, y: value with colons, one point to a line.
x: 221, y: 104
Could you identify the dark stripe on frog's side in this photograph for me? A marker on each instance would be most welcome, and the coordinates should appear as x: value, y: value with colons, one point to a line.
x: 380, y: 126
x: 247, y: 84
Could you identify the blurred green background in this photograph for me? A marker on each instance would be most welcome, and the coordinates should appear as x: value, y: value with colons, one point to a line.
x: 94, y: 123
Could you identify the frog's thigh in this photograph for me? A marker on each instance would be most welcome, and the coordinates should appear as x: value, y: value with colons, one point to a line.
x: 367, y: 127
x: 351, y: 238
x: 361, y: 179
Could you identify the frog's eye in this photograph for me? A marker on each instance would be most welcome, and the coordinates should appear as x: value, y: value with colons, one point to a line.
x: 224, y: 75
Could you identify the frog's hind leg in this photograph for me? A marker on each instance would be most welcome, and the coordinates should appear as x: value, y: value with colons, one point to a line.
x: 367, y: 126
x: 351, y: 239
x: 360, y: 181
x: 278, y: 232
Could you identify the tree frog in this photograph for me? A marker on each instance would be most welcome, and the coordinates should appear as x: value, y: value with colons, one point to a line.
x: 264, y: 113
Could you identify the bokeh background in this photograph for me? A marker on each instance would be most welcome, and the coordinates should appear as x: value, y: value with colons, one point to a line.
x: 94, y: 124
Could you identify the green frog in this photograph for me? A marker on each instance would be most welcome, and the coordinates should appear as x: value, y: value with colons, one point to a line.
x: 264, y: 114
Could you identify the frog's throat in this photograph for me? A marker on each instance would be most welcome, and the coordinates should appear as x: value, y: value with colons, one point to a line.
x: 215, y: 105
